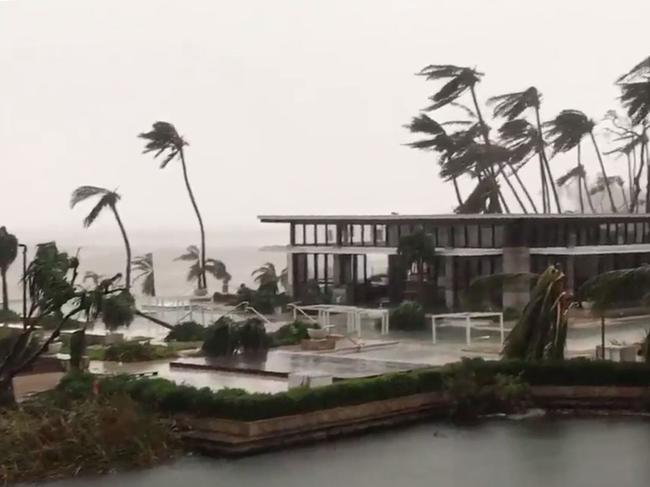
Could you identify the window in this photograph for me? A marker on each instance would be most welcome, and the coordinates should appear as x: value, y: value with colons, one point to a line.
x: 460, y: 236
x: 299, y: 234
x: 498, y: 236
x: 473, y: 235
x: 487, y: 236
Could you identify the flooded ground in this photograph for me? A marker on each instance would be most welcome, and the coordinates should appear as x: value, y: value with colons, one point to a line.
x: 534, y: 453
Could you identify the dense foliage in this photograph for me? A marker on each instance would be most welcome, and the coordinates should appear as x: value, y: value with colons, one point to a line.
x: 43, y: 442
x: 408, y: 316
x: 291, y: 334
x: 168, y: 397
x: 188, y: 331
x: 133, y: 351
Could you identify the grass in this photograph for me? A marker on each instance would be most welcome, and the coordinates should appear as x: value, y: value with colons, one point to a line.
x: 42, y: 441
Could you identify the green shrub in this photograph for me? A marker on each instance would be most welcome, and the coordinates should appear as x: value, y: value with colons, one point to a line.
x: 221, y: 338
x: 475, y: 387
x: 118, y: 310
x: 290, y: 334
x: 9, y: 316
x: 252, y: 336
x: 133, y: 351
x: 188, y: 331
x: 408, y: 316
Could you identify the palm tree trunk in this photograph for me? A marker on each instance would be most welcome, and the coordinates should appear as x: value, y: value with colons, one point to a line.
x: 545, y: 199
x: 515, y: 173
x: 162, y: 323
x: 580, y: 176
x: 486, y: 139
x: 547, y: 167
x: 457, y: 190
x: 589, y: 198
x: 203, y: 283
x: 421, y: 292
x: 637, y: 181
x: 5, y: 293
x: 602, y: 168
x: 127, y: 245
x: 629, y: 175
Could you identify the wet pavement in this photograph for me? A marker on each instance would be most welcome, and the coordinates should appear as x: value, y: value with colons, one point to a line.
x: 282, y: 362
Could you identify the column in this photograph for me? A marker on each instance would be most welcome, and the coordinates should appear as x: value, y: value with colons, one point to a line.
x: 516, y: 293
x: 449, y: 282
x: 290, y: 276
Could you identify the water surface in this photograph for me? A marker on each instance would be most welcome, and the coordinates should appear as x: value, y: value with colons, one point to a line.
x: 531, y: 453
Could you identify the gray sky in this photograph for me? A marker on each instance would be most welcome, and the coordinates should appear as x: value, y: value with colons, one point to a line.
x: 289, y: 106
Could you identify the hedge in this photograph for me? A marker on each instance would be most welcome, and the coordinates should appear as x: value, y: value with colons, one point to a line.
x: 168, y: 397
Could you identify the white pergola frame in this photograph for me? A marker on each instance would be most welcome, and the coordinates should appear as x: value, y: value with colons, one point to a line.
x: 466, y: 319
x: 353, y: 316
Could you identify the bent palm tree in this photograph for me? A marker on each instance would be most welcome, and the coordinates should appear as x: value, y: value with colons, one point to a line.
x: 567, y: 130
x: 511, y: 106
x: 8, y: 253
x: 144, y: 265
x: 107, y: 200
x: 461, y: 80
x: 267, y: 277
x: 212, y: 266
x: 164, y: 139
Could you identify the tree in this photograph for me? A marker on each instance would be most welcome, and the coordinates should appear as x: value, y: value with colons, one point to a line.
x: 144, y: 265
x: 511, y: 106
x: 106, y: 200
x: 53, y: 291
x: 8, y: 253
x: 616, y: 287
x: 540, y: 332
x: 212, y: 266
x: 93, y: 277
x: 567, y: 130
x: 460, y: 80
x: 267, y: 278
x: 164, y: 139
x: 417, y: 249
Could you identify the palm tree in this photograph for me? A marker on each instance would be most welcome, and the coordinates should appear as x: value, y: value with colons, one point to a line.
x: 107, y: 199
x: 267, y: 277
x: 608, y: 289
x: 575, y: 173
x: 567, y: 130
x: 511, y: 106
x: 144, y: 265
x: 540, y: 332
x: 601, y: 183
x: 8, y: 253
x: 212, y: 266
x: 459, y: 81
x: 417, y: 249
x: 164, y: 139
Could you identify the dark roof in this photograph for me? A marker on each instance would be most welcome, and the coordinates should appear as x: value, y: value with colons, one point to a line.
x: 450, y: 218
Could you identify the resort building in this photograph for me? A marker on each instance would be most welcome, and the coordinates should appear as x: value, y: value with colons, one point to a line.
x: 334, y: 252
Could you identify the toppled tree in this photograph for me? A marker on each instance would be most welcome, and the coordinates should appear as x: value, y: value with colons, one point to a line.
x: 53, y: 291
x: 540, y: 332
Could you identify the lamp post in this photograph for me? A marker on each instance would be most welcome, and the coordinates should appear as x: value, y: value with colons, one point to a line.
x: 24, y: 247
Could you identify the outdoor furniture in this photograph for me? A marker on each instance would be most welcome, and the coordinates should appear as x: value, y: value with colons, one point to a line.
x: 461, y: 320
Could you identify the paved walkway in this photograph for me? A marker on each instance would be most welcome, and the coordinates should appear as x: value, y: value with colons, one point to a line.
x: 29, y: 384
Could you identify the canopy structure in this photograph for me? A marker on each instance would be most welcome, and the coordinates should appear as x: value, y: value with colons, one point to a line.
x: 461, y: 320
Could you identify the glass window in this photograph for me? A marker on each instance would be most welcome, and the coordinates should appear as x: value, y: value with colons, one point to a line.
x: 310, y: 234
x: 298, y: 233
x: 498, y: 236
x: 487, y: 235
x: 368, y: 235
x: 459, y: 236
x: 380, y: 235
x: 321, y: 234
x: 393, y: 235
x: 473, y: 235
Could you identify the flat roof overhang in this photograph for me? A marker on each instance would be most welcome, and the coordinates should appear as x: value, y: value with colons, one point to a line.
x: 452, y: 218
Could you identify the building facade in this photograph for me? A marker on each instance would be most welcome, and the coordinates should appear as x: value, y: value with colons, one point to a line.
x: 332, y: 252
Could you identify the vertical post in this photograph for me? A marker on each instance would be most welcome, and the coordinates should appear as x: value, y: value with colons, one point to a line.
x: 602, y: 336
x: 468, y: 330
x: 501, y: 328
x: 433, y: 329
x: 24, y: 247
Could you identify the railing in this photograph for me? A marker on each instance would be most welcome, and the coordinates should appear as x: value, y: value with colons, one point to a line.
x: 297, y: 310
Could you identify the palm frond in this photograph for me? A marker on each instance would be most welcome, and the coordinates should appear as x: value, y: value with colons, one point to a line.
x: 573, y: 173
x: 479, y: 200
x: 567, y: 129
x: 82, y: 193
x: 635, y: 97
x: 163, y: 139
x: 194, y: 272
x: 475, y: 159
x: 191, y: 253
x: 623, y: 285
x: 106, y: 201
x: 602, y: 183
x: 460, y: 80
x: 641, y: 70
x: 521, y: 138
x: 143, y: 263
x: 512, y: 105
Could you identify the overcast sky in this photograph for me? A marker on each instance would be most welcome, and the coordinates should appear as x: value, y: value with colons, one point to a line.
x: 289, y: 106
